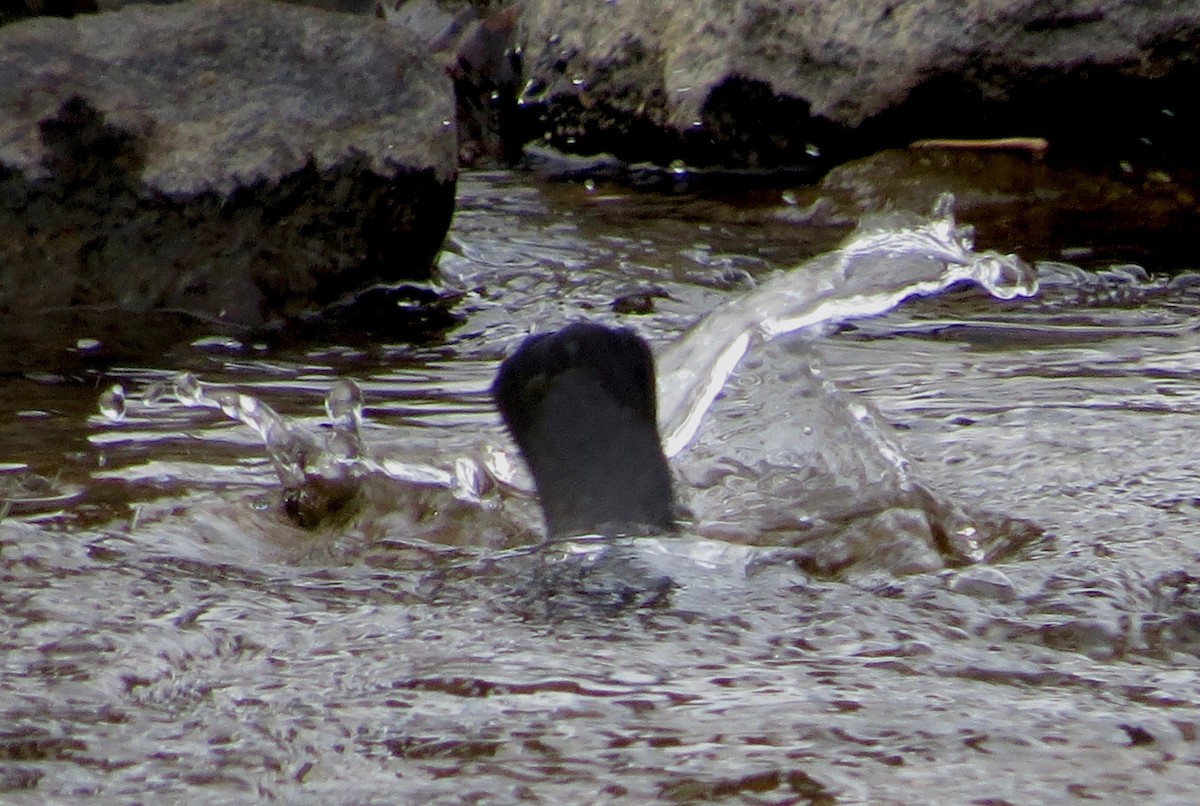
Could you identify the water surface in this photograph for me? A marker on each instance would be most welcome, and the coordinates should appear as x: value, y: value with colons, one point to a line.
x: 170, y: 635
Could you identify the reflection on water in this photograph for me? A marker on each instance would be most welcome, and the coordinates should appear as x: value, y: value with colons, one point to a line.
x: 171, y: 635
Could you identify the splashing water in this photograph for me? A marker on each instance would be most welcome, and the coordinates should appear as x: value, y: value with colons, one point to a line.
x: 863, y: 473
x: 344, y: 406
x: 880, y: 267
x: 320, y: 472
x: 295, y: 454
x: 112, y: 403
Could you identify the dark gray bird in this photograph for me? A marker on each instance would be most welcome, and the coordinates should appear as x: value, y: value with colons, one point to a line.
x: 580, y: 404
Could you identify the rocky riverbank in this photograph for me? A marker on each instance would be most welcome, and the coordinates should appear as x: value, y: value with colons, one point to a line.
x: 246, y: 166
x: 793, y: 82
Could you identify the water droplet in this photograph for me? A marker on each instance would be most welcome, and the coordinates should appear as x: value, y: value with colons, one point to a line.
x: 500, y: 465
x: 218, y: 343
x: 532, y: 92
x: 154, y: 393
x: 112, y: 403
x: 248, y: 405
x: 589, y: 185
x: 344, y: 407
x: 229, y: 404
x: 87, y: 345
x: 188, y: 390
x: 943, y: 208
x: 468, y: 479
x: 812, y: 150
x: 789, y: 198
x: 679, y: 167
x: 344, y: 404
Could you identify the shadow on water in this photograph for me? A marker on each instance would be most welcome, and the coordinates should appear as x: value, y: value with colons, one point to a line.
x: 170, y: 633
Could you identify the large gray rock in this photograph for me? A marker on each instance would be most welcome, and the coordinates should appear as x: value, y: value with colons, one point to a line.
x: 772, y: 82
x: 237, y: 162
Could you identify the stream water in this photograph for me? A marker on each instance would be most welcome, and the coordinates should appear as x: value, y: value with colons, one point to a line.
x: 171, y: 635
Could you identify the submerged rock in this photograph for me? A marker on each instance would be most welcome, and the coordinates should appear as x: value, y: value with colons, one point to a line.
x: 232, y: 162
x: 800, y: 83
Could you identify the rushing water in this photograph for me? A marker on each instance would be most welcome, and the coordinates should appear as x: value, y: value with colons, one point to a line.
x: 171, y: 635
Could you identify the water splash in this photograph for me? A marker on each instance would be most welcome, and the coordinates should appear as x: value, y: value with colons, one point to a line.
x: 321, y: 472
x: 344, y: 407
x: 295, y: 454
x: 832, y: 462
x: 878, y: 268
x: 112, y: 403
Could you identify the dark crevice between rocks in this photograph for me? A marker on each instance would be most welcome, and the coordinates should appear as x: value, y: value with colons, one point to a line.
x: 748, y: 137
x: 745, y: 124
x: 15, y: 10
x: 486, y: 71
x: 82, y: 149
x: 1093, y: 116
x: 621, y: 132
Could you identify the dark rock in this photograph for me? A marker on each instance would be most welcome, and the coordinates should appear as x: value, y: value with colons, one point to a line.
x: 639, y: 302
x: 799, y: 83
x: 476, y: 41
x: 13, y: 10
x: 236, y: 163
x: 486, y: 73
x: 1039, y: 208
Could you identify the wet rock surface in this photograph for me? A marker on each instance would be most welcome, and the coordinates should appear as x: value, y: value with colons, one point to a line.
x: 794, y: 83
x: 476, y: 42
x: 1124, y: 213
x: 235, y: 164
